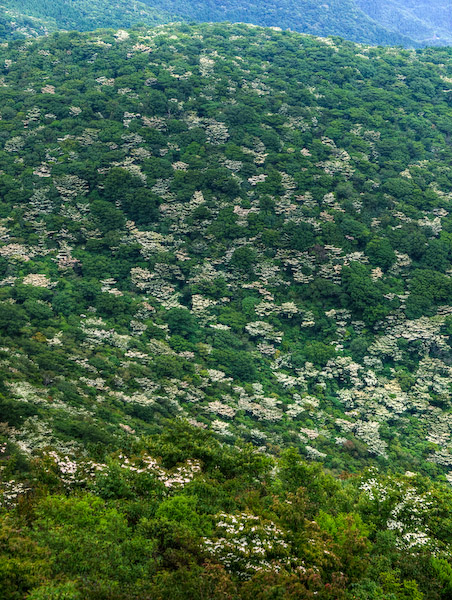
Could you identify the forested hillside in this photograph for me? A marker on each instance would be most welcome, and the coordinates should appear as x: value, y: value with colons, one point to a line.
x: 335, y: 17
x: 426, y: 21
x: 29, y: 18
x: 225, y: 317
x: 407, y: 23
x: 19, y: 18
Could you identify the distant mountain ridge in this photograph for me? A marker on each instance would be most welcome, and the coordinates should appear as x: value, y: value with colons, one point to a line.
x: 386, y: 22
x: 427, y: 22
x: 335, y: 17
x: 409, y: 23
x: 19, y: 18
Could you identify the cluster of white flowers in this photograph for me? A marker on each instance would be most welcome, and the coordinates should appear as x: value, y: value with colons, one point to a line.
x: 48, y: 89
x: 219, y: 408
x: 64, y: 258
x: 16, y: 252
x: 407, y: 509
x: 11, y: 491
x: 67, y: 468
x: 408, y: 518
x: 97, y: 333
x: 246, y: 544
x: 108, y: 285
x: 105, y: 81
x: 221, y: 428
x: 264, y: 330
x: 37, y: 280
x: 122, y: 35
x: 259, y: 406
x: 26, y: 392
x: 206, y: 65
x: 171, y: 478
x: 74, y: 111
x: 217, y: 133
x: 314, y: 454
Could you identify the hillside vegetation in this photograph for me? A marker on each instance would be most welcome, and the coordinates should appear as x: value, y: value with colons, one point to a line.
x: 19, y: 18
x: 409, y: 23
x: 386, y: 22
x: 426, y: 21
x: 28, y: 18
x: 225, y: 319
x: 335, y: 17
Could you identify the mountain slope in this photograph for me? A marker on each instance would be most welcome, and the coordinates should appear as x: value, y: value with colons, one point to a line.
x: 17, y: 25
x: 246, y: 228
x: 386, y: 22
x: 339, y: 17
x: 20, y: 18
x: 336, y: 17
x: 429, y: 23
x: 225, y: 258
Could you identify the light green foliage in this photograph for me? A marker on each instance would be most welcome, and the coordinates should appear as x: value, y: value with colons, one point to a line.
x: 65, y: 591
x: 182, y: 510
x: 443, y: 571
x: 88, y: 538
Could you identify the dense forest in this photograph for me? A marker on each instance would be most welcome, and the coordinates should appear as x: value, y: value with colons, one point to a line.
x: 335, y: 17
x: 426, y: 21
x: 28, y: 18
x: 225, y: 317
x: 409, y: 23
